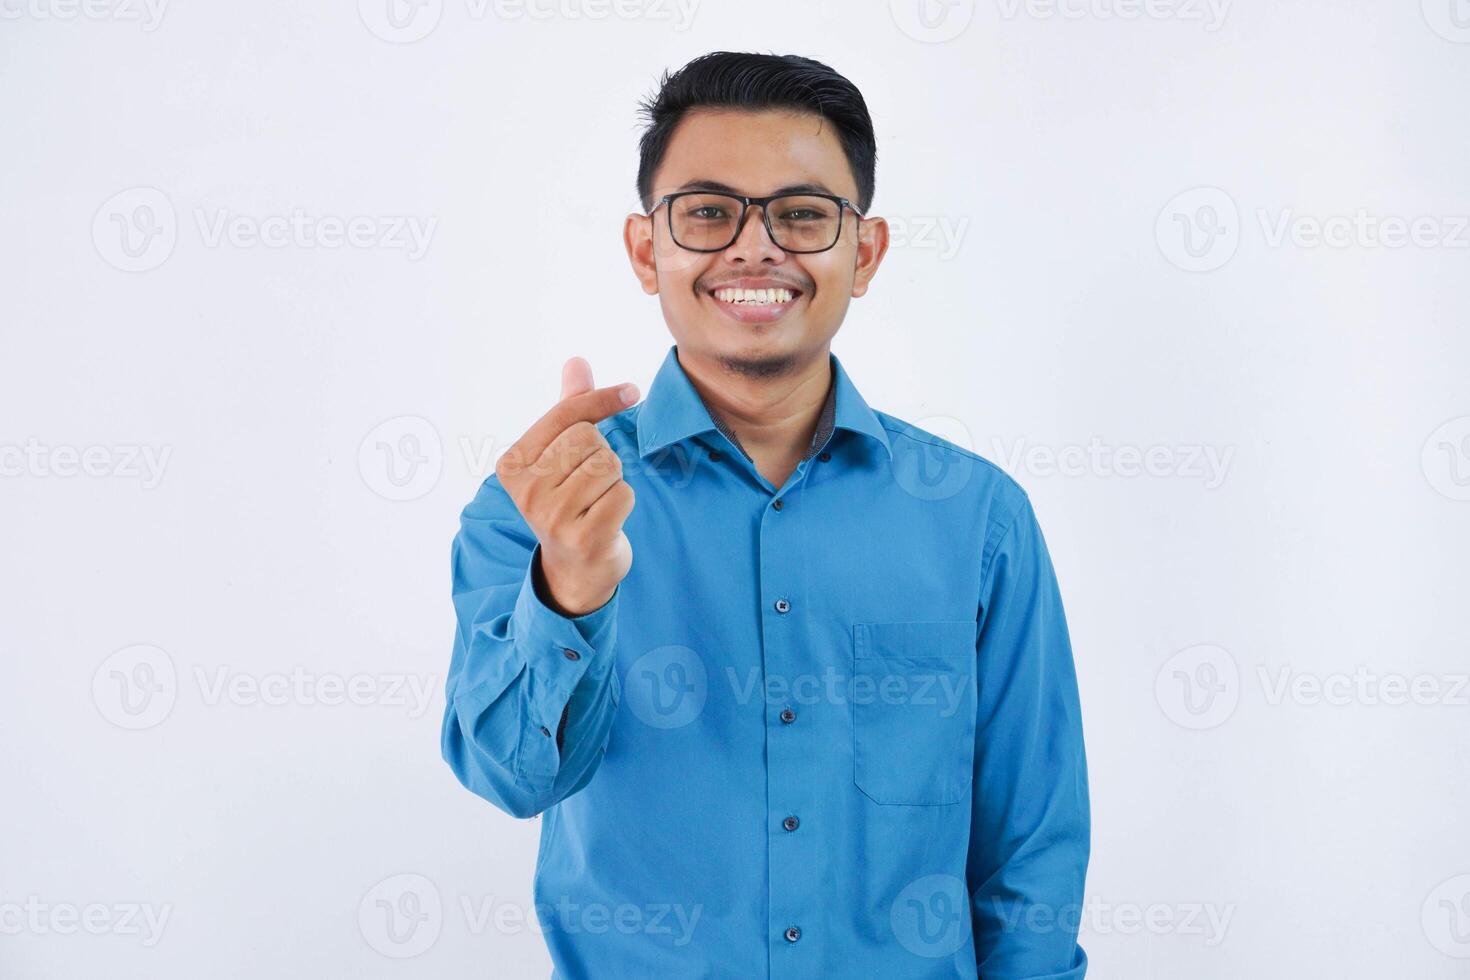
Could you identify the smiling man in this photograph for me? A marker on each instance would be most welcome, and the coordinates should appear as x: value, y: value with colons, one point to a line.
x: 826, y: 724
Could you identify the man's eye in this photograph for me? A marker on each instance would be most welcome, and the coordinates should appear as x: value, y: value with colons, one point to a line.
x: 709, y: 212
x: 801, y: 214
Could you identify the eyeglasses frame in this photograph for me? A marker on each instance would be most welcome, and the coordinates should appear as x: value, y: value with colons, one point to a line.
x: 764, y: 202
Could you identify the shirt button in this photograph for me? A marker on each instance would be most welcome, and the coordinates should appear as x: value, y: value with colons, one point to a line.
x: 782, y: 605
x: 792, y: 934
x: 791, y: 823
x: 777, y: 503
x: 824, y: 457
x: 545, y: 731
x: 788, y: 716
x: 715, y: 455
x: 572, y: 654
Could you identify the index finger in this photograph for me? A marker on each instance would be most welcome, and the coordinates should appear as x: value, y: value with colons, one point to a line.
x: 589, y: 406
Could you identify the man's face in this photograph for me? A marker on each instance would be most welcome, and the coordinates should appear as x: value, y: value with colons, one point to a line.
x: 754, y: 154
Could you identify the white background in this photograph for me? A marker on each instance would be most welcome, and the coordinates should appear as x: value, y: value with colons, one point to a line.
x: 1041, y: 303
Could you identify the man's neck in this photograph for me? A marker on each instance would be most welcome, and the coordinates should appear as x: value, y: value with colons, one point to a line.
x: 774, y: 417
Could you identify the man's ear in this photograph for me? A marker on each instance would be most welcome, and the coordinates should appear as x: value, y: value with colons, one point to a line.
x: 638, y: 240
x: 872, y: 246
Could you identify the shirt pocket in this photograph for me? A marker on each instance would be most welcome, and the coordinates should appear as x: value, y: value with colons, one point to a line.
x: 913, y: 711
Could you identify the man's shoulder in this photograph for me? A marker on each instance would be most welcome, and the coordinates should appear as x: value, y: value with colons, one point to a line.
x: 970, y: 472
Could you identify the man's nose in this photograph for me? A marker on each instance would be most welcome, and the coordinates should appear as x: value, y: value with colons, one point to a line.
x: 753, y: 243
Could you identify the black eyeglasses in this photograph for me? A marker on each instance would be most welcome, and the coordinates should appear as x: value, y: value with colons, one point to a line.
x: 706, y: 221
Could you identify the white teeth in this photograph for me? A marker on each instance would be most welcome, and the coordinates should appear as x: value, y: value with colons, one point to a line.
x: 765, y: 296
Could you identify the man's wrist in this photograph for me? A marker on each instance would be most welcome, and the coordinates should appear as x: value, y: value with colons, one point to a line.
x: 574, y: 607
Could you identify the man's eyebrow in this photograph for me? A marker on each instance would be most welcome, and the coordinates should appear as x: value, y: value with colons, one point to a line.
x: 715, y: 185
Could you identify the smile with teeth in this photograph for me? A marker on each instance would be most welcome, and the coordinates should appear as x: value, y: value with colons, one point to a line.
x: 744, y: 297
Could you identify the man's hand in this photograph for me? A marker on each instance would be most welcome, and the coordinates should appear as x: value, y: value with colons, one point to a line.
x: 568, y: 484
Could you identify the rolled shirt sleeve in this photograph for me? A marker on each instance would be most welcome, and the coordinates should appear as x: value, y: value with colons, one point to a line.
x: 531, y: 693
x: 1031, y: 824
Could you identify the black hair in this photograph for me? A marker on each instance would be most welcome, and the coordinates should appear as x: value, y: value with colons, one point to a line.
x: 739, y: 80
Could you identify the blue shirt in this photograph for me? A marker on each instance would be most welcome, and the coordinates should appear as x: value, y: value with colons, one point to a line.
x: 827, y: 729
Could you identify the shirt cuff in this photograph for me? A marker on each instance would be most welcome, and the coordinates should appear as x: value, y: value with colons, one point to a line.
x: 560, y: 649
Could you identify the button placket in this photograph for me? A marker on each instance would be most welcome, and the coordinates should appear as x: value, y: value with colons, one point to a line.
x: 789, y: 766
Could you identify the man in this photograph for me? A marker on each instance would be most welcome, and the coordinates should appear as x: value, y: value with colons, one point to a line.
x: 809, y: 709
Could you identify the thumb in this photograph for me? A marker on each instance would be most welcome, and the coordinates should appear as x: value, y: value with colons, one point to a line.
x: 576, y: 377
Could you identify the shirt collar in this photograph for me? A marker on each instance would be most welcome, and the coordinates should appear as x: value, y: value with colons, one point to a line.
x: 673, y: 410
